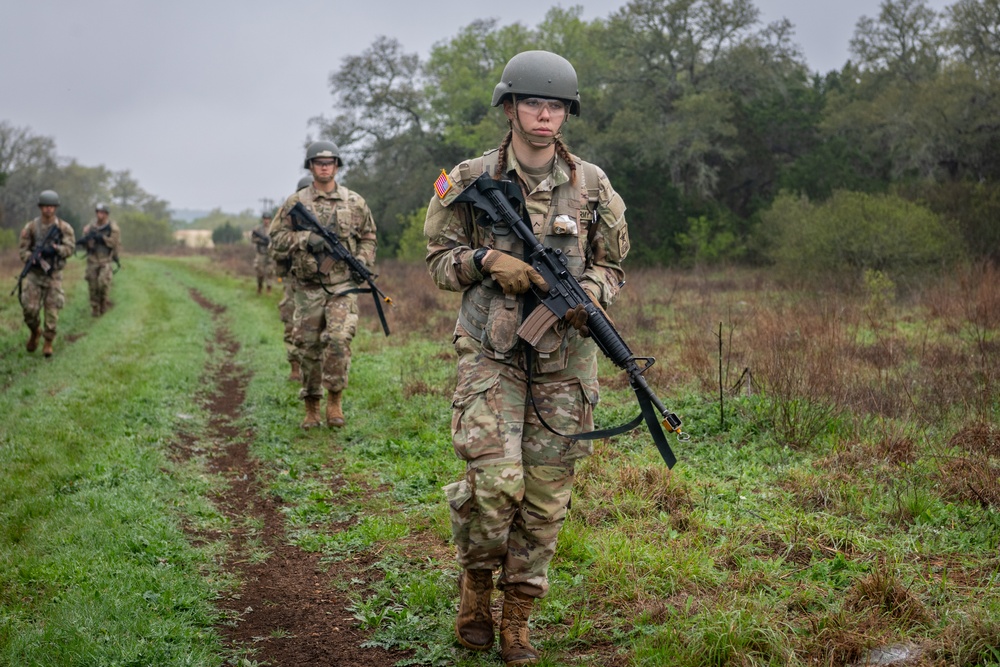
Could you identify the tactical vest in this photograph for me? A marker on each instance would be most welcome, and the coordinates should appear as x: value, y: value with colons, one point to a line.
x: 343, y: 218
x: 58, y: 263
x: 101, y: 249
x: 493, y: 317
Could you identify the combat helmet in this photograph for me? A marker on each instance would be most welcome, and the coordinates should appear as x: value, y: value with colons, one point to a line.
x: 304, y: 182
x: 101, y: 206
x: 539, y: 74
x: 323, y: 149
x: 48, y: 198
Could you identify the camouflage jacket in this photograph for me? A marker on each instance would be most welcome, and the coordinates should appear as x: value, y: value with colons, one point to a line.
x: 105, y: 250
x: 346, y: 214
x: 33, y: 233
x: 563, y: 217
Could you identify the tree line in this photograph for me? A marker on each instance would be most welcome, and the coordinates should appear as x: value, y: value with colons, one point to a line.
x: 721, y: 141
x: 29, y: 164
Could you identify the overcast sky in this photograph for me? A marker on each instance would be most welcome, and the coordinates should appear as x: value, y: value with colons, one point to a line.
x: 207, y: 102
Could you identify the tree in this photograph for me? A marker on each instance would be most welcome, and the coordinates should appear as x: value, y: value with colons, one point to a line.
x: 226, y: 233
x: 903, y: 42
x: 974, y: 33
x: 27, y: 162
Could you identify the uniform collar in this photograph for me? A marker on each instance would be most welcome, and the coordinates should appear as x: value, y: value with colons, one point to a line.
x: 338, y: 192
x: 558, y: 176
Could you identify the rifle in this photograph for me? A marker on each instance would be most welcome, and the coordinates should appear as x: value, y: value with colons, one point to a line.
x: 493, y: 198
x: 304, y: 221
x: 97, y: 235
x: 260, y: 239
x: 53, y: 236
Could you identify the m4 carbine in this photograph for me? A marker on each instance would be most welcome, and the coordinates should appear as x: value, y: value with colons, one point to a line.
x: 260, y: 239
x: 97, y: 235
x: 493, y: 198
x: 304, y: 221
x: 46, y: 247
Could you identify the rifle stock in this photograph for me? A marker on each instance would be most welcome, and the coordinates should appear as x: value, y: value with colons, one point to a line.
x: 493, y: 198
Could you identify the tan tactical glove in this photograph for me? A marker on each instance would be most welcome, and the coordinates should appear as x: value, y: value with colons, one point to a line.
x: 513, y: 275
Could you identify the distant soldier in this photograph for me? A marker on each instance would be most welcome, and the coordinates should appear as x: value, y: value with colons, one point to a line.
x: 41, y: 288
x: 286, y: 307
x: 102, y: 240
x: 325, y: 294
x: 262, y: 260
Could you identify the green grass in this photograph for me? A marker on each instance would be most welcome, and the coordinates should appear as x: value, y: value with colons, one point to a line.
x: 804, y: 532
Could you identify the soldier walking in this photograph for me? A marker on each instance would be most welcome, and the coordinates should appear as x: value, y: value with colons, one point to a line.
x: 262, y: 263
x: 507, y: 509
x: 325, y: 295
x: 41, y: 289
x: 102, y: 240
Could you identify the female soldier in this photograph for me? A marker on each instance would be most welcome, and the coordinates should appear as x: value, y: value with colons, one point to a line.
x: 507, y: 509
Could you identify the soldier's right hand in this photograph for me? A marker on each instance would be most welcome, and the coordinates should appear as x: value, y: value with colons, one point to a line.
x: 316, y: 242
x: 513, y: 275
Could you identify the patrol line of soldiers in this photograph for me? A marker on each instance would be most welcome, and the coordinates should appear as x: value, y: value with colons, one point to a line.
x: 513, y: 401
x: 41, y: 290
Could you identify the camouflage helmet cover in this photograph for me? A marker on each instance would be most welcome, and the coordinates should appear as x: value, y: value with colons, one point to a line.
x: 48, y: 198
x: 539, y: 74
x: 323, y: 149
x: 304, y: 182
x: 101, y: 206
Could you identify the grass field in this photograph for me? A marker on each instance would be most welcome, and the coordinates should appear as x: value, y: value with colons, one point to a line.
x: 838, y: 497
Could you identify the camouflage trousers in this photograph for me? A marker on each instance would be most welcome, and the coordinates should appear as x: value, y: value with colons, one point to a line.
x: 264, y: 268
x: 323, y: 327
x: 286, y: 310
x: 507, y: 510
x: 98, y: 277
x: 41, y: 293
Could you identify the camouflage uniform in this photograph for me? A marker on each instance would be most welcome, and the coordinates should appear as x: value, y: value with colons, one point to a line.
x: 326, y: 311
x: 100, y: 254
x: 262, y: 263
x: 42, y: 289
x: 507, y: 510
x: 286, y: 306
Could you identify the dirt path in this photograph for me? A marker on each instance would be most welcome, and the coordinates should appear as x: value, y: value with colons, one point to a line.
x: 288, y: 608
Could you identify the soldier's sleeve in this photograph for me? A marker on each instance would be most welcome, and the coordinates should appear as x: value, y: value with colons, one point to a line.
x: 26, y: 242
x: 367, y: 241
x: 452, y: 239
x: 67, y: 245
x: 608, y: 246
x: 115, y: 240
x: 284, y: 238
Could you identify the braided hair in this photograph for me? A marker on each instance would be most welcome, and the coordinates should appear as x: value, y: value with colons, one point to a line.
x: 561, y: 150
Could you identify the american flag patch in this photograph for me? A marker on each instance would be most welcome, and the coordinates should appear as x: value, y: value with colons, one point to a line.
x: 442, y: 185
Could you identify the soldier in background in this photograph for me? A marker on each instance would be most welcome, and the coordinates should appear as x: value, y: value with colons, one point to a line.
x: 326, y: 300
x: 102, y: 240
x: 507, y: 509
x: 262, y: 264
x: 286, y: 307
x: 41, y: 289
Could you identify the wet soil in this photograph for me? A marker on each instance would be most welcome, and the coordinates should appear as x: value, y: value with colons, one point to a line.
x: 288, y: 607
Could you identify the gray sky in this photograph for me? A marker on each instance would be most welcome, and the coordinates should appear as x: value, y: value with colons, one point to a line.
x: 207, y: 102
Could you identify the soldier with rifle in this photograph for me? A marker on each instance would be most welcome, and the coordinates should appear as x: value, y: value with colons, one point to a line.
x: 102, y: 241
x: 533, y: 237
x: 44, y: 246
x: 262, y: 264
x: 326, y: 288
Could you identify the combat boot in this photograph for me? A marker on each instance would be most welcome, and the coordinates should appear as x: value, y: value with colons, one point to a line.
x: 515, y: 649
x: 95, y: 311
x: 312, y: 419
x: 296, y: 374
x: 334, y: 413
x: 474, y: 624
x: 47, y: 346
x: 33, y: 341
x: 260, y: 285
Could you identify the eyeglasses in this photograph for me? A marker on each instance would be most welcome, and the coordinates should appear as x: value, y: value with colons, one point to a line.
x: 323, y: 163
x: 534, y: 105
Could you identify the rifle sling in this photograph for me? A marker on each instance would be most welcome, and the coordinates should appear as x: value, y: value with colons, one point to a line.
x: 646, y: 413
x: 363, y: 290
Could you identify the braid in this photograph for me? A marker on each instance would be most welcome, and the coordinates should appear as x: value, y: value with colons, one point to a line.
x: 502, y: 154
x: 565, y: 155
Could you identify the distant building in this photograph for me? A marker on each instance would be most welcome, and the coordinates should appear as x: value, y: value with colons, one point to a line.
x: 194, y: 238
